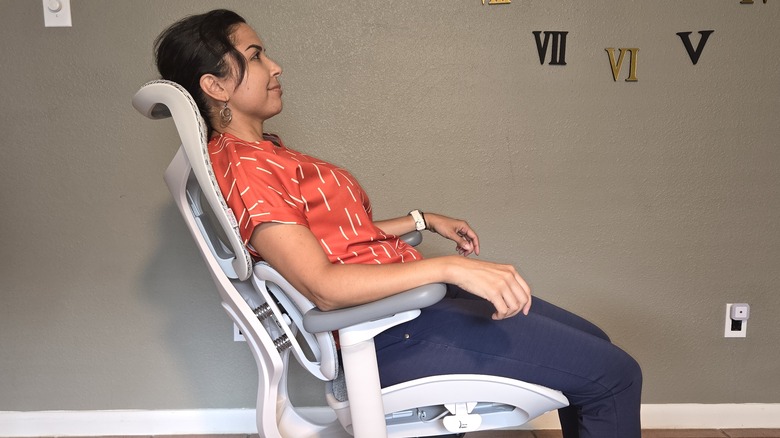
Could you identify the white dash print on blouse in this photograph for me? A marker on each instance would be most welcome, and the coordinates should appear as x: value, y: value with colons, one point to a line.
x: 324, y: 198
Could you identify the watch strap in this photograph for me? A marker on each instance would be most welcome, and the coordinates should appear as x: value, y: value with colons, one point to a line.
x: 419, y: 220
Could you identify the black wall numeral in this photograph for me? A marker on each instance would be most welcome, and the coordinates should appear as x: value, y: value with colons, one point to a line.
x: 694, y: 54
x: 748, y: 2
x: 558, y: 49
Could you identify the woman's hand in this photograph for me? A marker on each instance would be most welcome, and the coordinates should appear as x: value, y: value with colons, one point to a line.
x: 500, y: 284
x: 459, y: 231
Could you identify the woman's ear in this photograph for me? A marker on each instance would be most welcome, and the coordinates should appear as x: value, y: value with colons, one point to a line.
x: 213, y: 87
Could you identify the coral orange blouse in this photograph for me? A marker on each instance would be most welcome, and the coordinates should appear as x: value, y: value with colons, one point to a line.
x: 266, y: 182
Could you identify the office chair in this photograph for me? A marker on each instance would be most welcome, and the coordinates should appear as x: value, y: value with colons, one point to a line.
x: 278, y: 322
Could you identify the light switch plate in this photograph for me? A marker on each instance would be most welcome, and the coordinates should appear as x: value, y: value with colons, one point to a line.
x: 56, y: 13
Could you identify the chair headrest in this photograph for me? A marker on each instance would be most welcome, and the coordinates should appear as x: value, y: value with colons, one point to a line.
x: 161, y: 99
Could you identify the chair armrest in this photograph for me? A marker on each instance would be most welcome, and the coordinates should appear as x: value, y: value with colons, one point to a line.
x: 413, y: 238
x: 316, y: 321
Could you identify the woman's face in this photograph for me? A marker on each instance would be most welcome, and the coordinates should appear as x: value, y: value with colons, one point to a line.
x: 259, y: 95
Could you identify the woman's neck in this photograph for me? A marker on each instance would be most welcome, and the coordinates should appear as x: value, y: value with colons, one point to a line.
x: 244, y: 131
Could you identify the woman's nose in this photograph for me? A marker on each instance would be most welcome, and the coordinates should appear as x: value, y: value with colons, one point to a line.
x: 276, y: 69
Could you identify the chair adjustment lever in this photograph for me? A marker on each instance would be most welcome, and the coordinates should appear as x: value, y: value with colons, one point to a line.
x: 462, y: 419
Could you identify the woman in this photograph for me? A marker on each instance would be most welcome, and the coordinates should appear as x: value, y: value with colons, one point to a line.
x: 312, y: 222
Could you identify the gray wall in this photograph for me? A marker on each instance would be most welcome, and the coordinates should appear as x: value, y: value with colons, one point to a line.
x: 644, y: 206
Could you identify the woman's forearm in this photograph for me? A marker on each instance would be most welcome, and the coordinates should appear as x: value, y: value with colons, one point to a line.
x: 349, y: 285
x: 297, y: 255
x: 397, y: 226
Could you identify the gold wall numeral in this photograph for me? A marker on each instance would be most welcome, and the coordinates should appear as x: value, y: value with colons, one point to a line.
x: 497, y: 2
x: 616, y: 65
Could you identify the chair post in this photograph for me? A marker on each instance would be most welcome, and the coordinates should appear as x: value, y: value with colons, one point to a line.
x: 365, y: 398
x: 361, y: 373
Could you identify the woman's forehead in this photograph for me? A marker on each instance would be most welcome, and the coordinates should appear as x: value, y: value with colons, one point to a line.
x: 244, y: 36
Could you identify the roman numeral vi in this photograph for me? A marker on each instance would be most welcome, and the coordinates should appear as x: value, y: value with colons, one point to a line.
x: 616, y: 65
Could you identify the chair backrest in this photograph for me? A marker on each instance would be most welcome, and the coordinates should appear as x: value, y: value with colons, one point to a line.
x: 161, y: 99
x: 278, y: 306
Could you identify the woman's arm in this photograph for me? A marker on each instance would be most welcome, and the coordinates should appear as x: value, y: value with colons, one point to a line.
x: 459, y: 231
x: 295, y: 253
x: 398, y: 226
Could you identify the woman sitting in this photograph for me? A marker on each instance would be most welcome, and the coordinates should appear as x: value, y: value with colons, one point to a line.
x: 313, y: 222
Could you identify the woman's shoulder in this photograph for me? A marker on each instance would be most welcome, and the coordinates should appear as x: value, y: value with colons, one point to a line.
x: 230, y: 143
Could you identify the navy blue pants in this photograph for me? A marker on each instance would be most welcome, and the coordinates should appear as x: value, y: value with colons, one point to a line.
x: 550, y: 347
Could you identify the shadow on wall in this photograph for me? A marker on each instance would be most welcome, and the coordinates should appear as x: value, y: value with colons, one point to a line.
x: 198, y: 333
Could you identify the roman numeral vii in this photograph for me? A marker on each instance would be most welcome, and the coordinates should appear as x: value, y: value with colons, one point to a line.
x: 558, y: 49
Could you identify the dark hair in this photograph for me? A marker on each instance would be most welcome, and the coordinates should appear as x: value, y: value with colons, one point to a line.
x: 198, y: 45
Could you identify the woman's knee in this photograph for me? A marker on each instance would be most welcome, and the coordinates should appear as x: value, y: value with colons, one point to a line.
x: 630, y: 373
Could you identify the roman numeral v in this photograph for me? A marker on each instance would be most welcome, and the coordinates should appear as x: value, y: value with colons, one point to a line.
x: 694, y: 54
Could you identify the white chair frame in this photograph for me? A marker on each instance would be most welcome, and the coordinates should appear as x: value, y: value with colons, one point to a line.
x: 276, y: 320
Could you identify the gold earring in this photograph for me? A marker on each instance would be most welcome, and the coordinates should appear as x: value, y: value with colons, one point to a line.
x: 225, y: 115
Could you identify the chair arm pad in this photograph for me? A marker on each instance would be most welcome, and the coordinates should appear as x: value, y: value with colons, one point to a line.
x: 413, y: 238
x: 316, y: 321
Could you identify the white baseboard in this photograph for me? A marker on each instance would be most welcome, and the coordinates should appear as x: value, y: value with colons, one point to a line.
x: 242, y: 421
x: 127, y: 423
x: 715, y: 416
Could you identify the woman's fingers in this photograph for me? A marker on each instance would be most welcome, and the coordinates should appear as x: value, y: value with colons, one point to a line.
x: 466, y: 240
x: 469, y: 238
x: 527, y: 307
x: 526, y: 289
x: 511, y: 304
x: 509, y: 293
x: 500, y: 284
x: 459, y: 231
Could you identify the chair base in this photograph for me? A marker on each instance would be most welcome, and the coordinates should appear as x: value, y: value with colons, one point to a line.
x: 415, y: 408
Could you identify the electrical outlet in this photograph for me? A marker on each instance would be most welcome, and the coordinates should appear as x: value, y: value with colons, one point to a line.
x: 735, y: 328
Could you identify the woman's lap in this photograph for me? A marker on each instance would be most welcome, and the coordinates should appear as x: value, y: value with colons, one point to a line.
x: 549, y: 346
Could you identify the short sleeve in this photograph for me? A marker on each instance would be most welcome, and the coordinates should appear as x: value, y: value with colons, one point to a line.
x: 257, y: 184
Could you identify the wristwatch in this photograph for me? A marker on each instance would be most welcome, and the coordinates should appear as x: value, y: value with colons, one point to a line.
x: 419, y: 220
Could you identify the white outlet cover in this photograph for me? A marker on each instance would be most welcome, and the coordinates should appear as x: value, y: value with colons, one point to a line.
x: 728, y: 333
x: 237, y: 335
